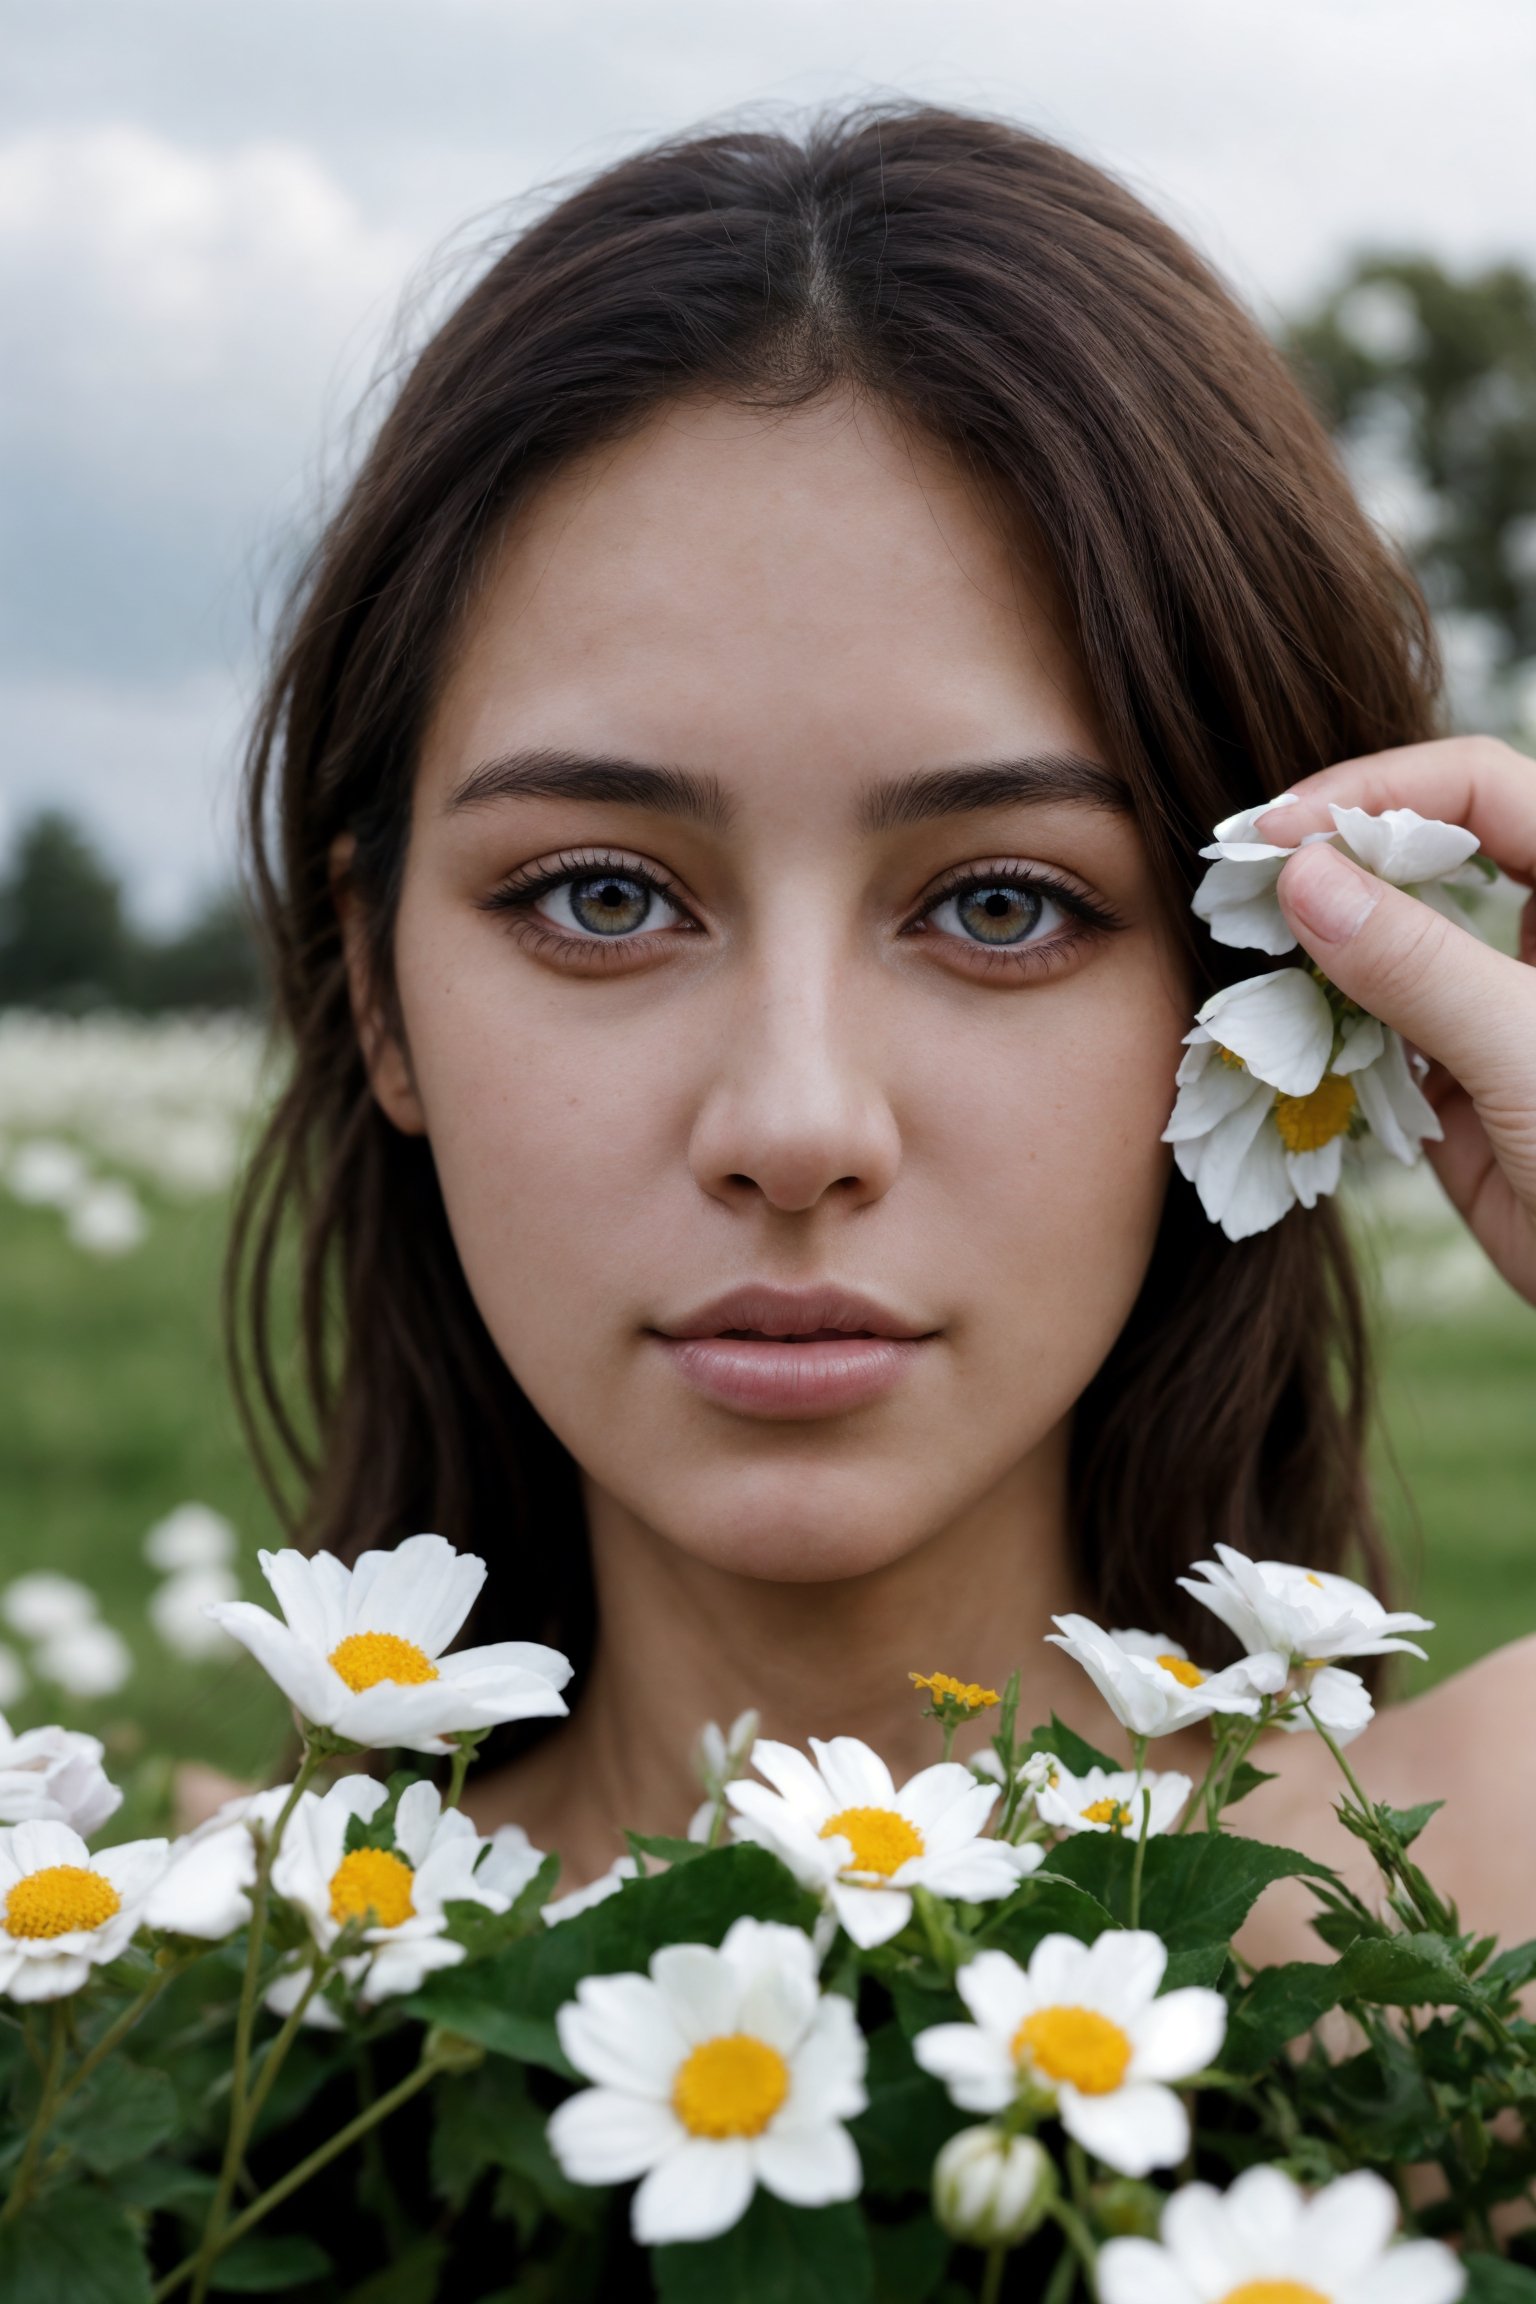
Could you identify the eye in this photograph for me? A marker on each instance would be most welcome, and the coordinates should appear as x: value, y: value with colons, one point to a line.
x: 609, y: 904
x: 998, y: 914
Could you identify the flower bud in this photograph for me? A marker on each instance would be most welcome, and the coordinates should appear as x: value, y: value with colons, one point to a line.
x: 992, y: 2190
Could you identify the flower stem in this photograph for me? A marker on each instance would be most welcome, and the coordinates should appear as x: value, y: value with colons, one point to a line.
x: 992, y: 2277
x: 343, y: 2140
x: 245, y: 2023
x: 1141, y: 1857
x: 47, y: 2105
x: 464, y: 1749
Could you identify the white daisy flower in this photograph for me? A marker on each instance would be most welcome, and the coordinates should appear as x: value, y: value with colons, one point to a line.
x: 845, y: 1831
x: 717, y: 2072
x: 43, y: 1603
x: 205, y: 1889
x: 1336, y: 1700
x: 1083, y: 2031
x: 86, y: 1660
x: 1263, y: 2238
x: 193, y: 1536
x: 178, y: 1610
x: 1111, y: 1800
x: 64, y: 1911
x: 1267, y: 1103
x: 1151, y: 1686
x: 1305, y: 1615
x: 398, y: 1893
x: 55, y: 1775
x: 1237, y: 898
x: 361, y: 1651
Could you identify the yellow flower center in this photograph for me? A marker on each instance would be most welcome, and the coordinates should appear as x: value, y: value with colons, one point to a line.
x: 374, y: 1885
x: 1113, y: 1812
x: 365, y: 1658
x: 970, y: 1693
x: 1077, y: 2045
x: 1317, y: 1580
x: 730, y: 2086
x: 881, y: 1840
x: 1187, y: 1675
x: 1307, y: 1123
x: 1232, y: 1063
x: 59, y: 1899
x: 1275, y: 2292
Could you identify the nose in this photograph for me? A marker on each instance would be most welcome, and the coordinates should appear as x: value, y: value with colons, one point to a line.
x: 795, y: 1115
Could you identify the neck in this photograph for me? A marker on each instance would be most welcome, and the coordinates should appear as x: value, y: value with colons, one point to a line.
x: 683, y: 1641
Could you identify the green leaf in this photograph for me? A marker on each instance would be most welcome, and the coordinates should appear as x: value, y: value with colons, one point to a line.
x: 1494, y: 2280
x: 489, y: 2120
x: 1071, y: 1749
x: 775, y: 2255
x: 508, y: 2002
x: 1196, y: 1888
x: 1045, y: 1905
x: 664, y: 1849
x: 125, y: 2114
x: 1201, y: 1964
x: 1278, y: 2006
x: 378, y: 1830
x: 1389, y: 1971
x: 909, y: 2259
x: 1407, y: 1972
x: 1408, y: 1823
x: 1507, y: 1971
x: 909, y: 2117
x: 1245, y: 1779
x: 75, y: 2247
x: 481, y: 1932
x: 411, y: 2279
x: 264, y: 2262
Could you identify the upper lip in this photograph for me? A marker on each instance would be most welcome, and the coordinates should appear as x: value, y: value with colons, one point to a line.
x: 762, y: 1309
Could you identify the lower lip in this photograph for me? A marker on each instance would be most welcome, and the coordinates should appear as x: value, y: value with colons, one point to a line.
x: 789, y: 1380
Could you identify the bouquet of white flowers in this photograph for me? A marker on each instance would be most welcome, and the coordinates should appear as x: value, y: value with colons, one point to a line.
x: 982, y: 2033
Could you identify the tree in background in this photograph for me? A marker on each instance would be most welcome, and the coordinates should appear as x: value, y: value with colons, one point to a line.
x: 65, y: 942
x: 1428, y: 379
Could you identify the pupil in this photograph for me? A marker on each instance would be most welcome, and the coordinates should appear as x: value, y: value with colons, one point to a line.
x: 999, y: 915
x: 610, y: 906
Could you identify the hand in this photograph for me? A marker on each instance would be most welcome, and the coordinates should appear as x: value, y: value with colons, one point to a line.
x: 1471, y: 1011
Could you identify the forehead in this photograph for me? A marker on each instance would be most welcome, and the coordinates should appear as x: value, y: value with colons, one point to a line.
x: 727, y: 586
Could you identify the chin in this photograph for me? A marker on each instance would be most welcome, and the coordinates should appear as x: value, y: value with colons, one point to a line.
x: 804, y: 1529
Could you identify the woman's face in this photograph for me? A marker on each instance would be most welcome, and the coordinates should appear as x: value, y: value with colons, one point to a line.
x: 785, y: 994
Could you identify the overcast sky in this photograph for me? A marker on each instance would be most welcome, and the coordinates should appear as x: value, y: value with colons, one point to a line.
x: 209, y: 210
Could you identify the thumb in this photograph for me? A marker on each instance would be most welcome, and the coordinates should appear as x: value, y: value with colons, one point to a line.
x: 1471, y: 1009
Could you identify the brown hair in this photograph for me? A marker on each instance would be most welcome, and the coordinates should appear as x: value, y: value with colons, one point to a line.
x: 1239, y: 623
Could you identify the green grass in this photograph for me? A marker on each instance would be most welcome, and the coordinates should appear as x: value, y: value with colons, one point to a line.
x: 114, y: 1408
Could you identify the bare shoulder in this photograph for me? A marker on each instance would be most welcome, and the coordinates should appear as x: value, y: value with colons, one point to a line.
x: 1469, y: 1742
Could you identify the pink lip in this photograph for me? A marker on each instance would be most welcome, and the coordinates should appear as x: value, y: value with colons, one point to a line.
x: 792, y: 1352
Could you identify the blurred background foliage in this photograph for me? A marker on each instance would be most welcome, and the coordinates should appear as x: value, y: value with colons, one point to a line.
x: 114, y: 1407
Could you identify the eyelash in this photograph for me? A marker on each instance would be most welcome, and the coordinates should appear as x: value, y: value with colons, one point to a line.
x: 518, y: 896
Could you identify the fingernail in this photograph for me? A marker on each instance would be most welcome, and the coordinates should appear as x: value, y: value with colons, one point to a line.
x: 1327, y: 895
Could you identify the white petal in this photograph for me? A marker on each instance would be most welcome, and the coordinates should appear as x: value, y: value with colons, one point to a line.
x: 620, y: 2032
x: 421, y: 1591
x: 870, y: 1915
x: 827, y: 2070
x: 855, y: 1776
x: 1139, y: 2272
x: 1180, y: 2034
x: 1215, y: 1164
x: 45, y: 1978
x: 1261, y: 1191
x: 1280, y: 1025
x: 1346, y: 2226
x: 1415, y: 2272
x: 40, y: 1842
x: 508, y: 1656
x: 1240, y: 830
x: 978, y: 1872
x: 1121, y: 1974
x: 1203, y: 1102
x: 809, y: 2166
x: 765, y: 1817
x: 701, y: 1990
x: 700, y: 2189
x: 1315, y: 1175
x: 790, y: 1773
x: 133, y: 1866
x: 1133, y: 2130
x: 417, y: 1814
x: 1401, y: 846
x: 946, y: 1804
x: 298, y: 1668
x: 1399, y: 1115
x: 312, y: 1594
x: 205, y: 1891
x: 974, y: 2066
x: 1362, y: 1042
x: 605, y: 2137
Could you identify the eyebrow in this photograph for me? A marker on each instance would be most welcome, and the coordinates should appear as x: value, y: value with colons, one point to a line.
x: 1033, y: 780
x: 545, y: 775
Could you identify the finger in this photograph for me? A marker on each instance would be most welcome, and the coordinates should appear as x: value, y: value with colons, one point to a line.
x: 1470, y: 1008
x: 1471, y: 780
